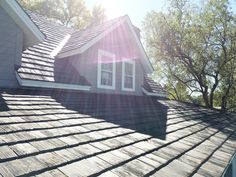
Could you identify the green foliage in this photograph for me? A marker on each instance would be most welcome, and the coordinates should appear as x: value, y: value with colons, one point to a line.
x: 194, y: 47
x: 98, y: 15
x: 73, y: 13
x: 177, y: 91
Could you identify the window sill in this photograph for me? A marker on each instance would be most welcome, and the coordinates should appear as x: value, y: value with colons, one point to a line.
x: 128, y: 89
x: 106, y: 87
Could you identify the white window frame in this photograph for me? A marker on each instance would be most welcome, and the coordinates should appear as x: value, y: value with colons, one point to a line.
x: 99, y: 76
x: 123, y: 74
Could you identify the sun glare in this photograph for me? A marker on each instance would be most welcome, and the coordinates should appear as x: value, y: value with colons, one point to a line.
x: 112, y: 8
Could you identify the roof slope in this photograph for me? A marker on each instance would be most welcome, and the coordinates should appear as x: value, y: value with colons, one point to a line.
x: 88, y: 134
x: 38, y: 61
x: 153, y: 88
x: 80, y: 38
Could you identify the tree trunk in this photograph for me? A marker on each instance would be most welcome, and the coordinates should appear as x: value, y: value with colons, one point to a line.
x: 205, y: 98
x: 223, y: 104
x: 177, y: 95
x: 224, y: 99
x: 211, y: 99
x: 213, y: 91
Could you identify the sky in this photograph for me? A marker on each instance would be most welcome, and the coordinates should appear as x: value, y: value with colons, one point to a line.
x: 135, y: 9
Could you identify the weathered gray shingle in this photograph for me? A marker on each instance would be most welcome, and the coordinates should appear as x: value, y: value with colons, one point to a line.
x: 152, y: 86
x: 37, y: 61
x: 43, y: 133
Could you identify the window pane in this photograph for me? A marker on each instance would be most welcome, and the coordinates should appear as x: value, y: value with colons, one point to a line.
x: 106, y: 63
x: 106, y: 78
x: 128, y: 69
x: 107, y: 66
x: 106, y: 59
x: 128, y: 82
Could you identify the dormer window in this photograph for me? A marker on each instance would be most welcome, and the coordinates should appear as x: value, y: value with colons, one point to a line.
x: 128, y: 75
x: 106, y: 70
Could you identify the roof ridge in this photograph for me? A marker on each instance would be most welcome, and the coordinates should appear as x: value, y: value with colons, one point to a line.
x: 29, y: 13
x: 93, y: 31
x: 105, y: 22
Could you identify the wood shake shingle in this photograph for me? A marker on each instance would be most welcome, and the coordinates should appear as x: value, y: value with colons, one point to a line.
x: 56, y: 133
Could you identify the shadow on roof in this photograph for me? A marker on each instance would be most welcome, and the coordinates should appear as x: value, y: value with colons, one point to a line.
x: 3, y: 104
x: 145, y: 114
x: 44, y: 131
x: 139, y: 113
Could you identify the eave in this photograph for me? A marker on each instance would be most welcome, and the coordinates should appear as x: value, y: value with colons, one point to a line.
x: 50, y: 85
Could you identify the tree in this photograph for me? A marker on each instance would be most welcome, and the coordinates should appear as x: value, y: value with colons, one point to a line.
x: 98, y: 11
x: 196, y: 46
x: 72, y: 13
x: 177, y: 90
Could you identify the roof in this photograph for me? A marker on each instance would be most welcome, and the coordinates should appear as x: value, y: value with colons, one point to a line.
x: 38, y: 61
x: 39, y: 65
x: 152, y: 88
x: 32, y: 34
x: 80, y: 41
x: 53, y: 133
x: 81, y: 38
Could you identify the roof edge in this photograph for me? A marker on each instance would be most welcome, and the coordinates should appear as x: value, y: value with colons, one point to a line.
x: 45, y: 84
x: 163, y: 95
x: 21, y: 18
x: 149, y: 66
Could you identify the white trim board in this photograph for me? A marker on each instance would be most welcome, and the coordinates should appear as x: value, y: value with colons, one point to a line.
x: 124, y: 60
x: 153, y: 94
x: 45, y: 84
x: 99, y: 69
x: 32, y: 34
x: 144, y: 59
